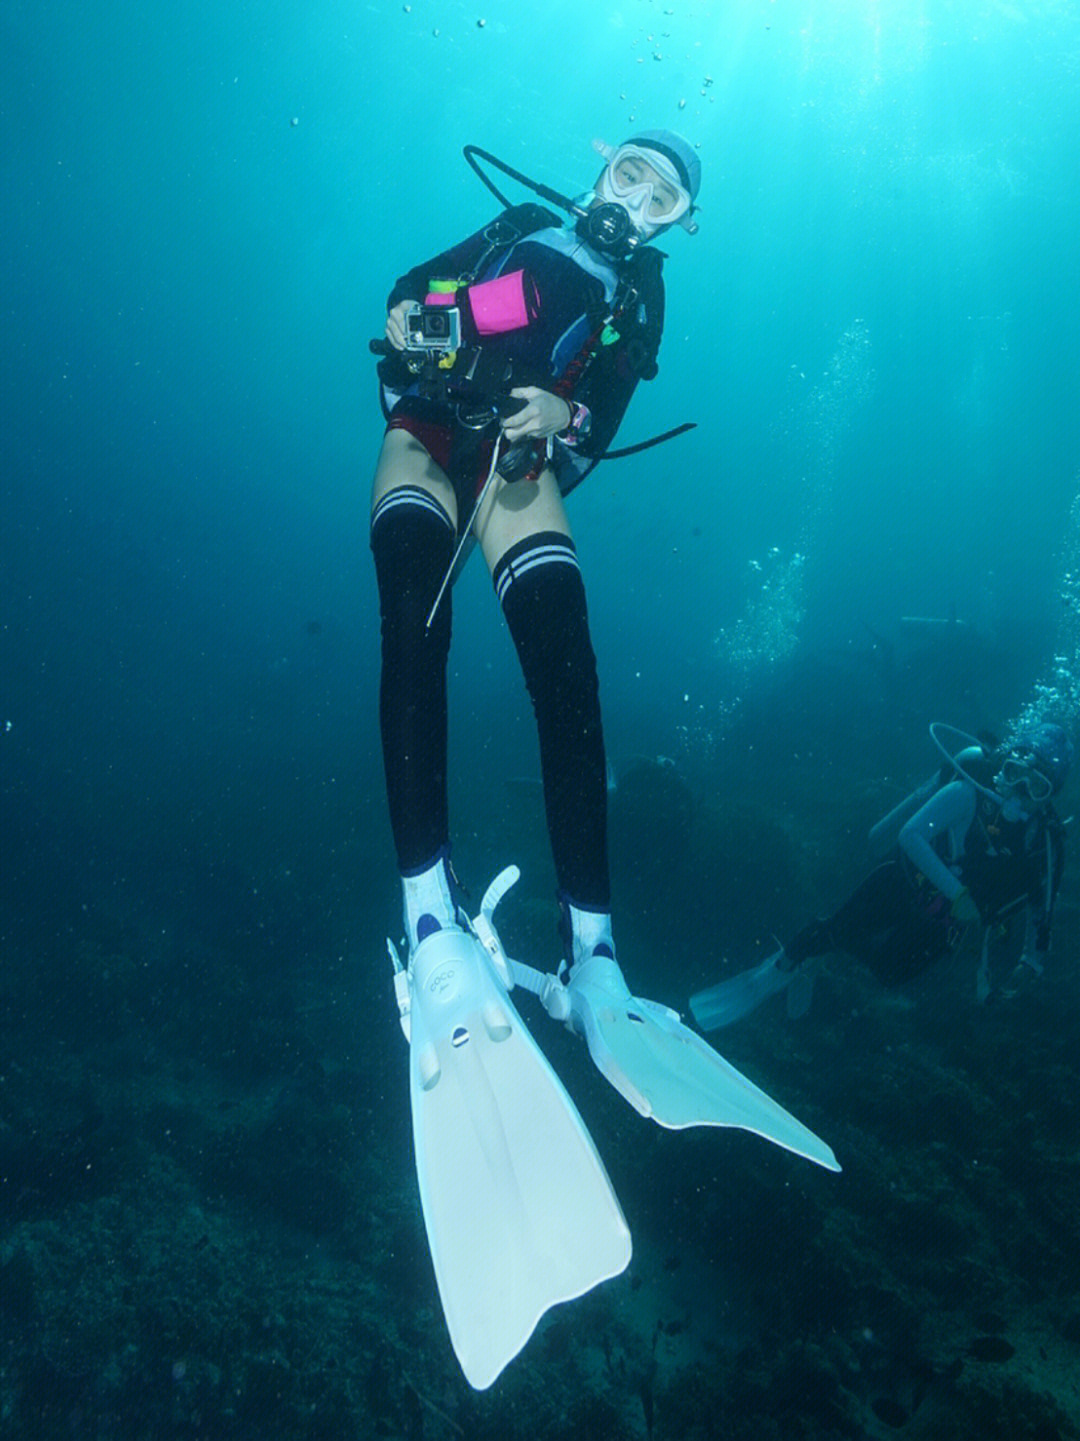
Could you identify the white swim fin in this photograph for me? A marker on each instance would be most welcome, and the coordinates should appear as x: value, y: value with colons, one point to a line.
x: 668, y: 1072
x: 519, y: 1211
x: 665, y: 1070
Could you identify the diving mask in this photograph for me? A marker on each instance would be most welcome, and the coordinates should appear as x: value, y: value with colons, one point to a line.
x: 1017, y: 773
x: 647, y: 186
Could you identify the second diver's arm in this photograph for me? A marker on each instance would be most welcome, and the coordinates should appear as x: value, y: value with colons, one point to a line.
x: 949, y: 812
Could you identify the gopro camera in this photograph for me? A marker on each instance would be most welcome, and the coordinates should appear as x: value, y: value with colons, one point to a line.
x: 433, y: 327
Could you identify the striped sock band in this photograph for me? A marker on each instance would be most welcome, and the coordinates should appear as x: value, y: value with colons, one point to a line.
x: 549, y: 547
x: 409, y: 495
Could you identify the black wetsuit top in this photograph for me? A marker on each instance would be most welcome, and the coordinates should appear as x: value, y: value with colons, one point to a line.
x: 575, y: 287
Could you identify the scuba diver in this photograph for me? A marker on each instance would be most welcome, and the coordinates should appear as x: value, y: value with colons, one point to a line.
x: 508, y: 363
x: 973, y: 845
x: 512, y: 358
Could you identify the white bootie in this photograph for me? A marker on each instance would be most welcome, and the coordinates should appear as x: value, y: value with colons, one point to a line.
x: 430, y: 901
x: 585, y: 934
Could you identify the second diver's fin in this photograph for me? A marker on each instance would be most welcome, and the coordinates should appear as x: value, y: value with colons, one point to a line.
x: 729, y: 1001
x: 519, y: 1211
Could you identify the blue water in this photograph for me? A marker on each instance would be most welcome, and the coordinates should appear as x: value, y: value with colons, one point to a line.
x: 874, y: 329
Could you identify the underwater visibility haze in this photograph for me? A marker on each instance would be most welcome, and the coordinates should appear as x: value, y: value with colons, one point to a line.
x: 209, y: 1223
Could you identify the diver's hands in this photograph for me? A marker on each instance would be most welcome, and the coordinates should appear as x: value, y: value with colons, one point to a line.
x: 964, y: 910
x: 543, y: 414
x: 395, y: 323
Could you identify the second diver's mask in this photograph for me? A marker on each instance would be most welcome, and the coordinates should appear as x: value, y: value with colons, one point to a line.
x: 646, y: 186
x: 1019, y: 778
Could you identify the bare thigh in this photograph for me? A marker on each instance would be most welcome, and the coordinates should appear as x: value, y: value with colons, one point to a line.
x: 404, y: 461
x: 512, y: 512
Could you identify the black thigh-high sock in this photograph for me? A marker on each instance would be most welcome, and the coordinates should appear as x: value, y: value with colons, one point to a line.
x: 539, y: 585
x: 412, y: 540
